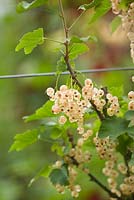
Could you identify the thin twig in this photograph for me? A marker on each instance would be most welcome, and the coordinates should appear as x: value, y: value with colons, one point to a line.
x: 126, y: 160
x: 66, y: 58
x: 126, y: 163
x: 94, y: 179
x: 53, y: 40
x: 63, y: 18
x: 77, y: 19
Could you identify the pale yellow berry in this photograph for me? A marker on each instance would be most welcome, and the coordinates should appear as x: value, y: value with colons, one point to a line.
x: 77, y: 188
x: 112, y: 183
x: 131, y: 105
x: 87, y: 134
x: 88, y: 82
x: 108, y: 96
x: 74, y: 194
x: 131, y: 95
x: 80, y: 142
x: 60, y: 188
x: 80, y: 130
x: 50, y: 91
x: 58, y: 164
x: 55, y: 109
x: 62, y: 120
x: 131, y: 168
x: 117, y: 192
x: 110, y: 111
x: 63, y: 88
x: 122, y: 168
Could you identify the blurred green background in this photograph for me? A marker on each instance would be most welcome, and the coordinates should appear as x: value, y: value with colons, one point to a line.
x: 20, y: 97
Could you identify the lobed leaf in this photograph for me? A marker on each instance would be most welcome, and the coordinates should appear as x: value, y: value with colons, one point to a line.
x: 76, y: 39
x: 116, y: 22
x: 30, y: 40
x: 124, y: 143
x: 57, y: 147
x: 56, y: 133
x: 94, y: 3
x: 59, y: 176
x: 25, y: 6
x: 129, y: 115
x: 61, y: 65
x: 77, y: 49
x: 43, y: 112
x: 130, y: 131
x: 132, y: 160
x: 24, y: 139
x: 44, y: 172
x: 113, y: 127
x: 100, y: 10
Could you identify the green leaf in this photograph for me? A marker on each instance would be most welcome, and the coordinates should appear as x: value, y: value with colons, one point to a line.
x: 25, y: 6
x: 56, y: 133
x: 24, y: 139
x: 76, y: 39
x: 130, y: 131
x: 124, y: 143
x: 77, y: 49
x: 59, y: 176
x: 132, y: 160
x: 113, y: 127
x: 101, y: 10
x: 44, y: 172
x: 56, y: 147
x: 61, y: 65
x: 129, y: 115
x: 43, y: 112
x: 94, y: 3
x: 116, y: 22
x: 30, y: 40
x: 117, y: 91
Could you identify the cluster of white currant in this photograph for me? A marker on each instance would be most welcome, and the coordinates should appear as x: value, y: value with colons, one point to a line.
x: 127, y: 17
x: 106, y: 149
x: 128, y: 25
x: 131, y: 98
x: 113, y: 104
x: 72, y: 174
x: 72, y: 104
x: 75, y: 158
x: 131, y: 102
x: 127, y: 188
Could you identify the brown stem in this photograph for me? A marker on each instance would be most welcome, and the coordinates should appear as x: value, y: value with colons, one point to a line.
x: 127, y: 156
x: 71, y: 139
x: 94, y: 179
x: 66, y: 58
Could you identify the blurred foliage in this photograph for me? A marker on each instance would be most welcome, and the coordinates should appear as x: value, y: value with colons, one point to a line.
x: 20, y: 97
